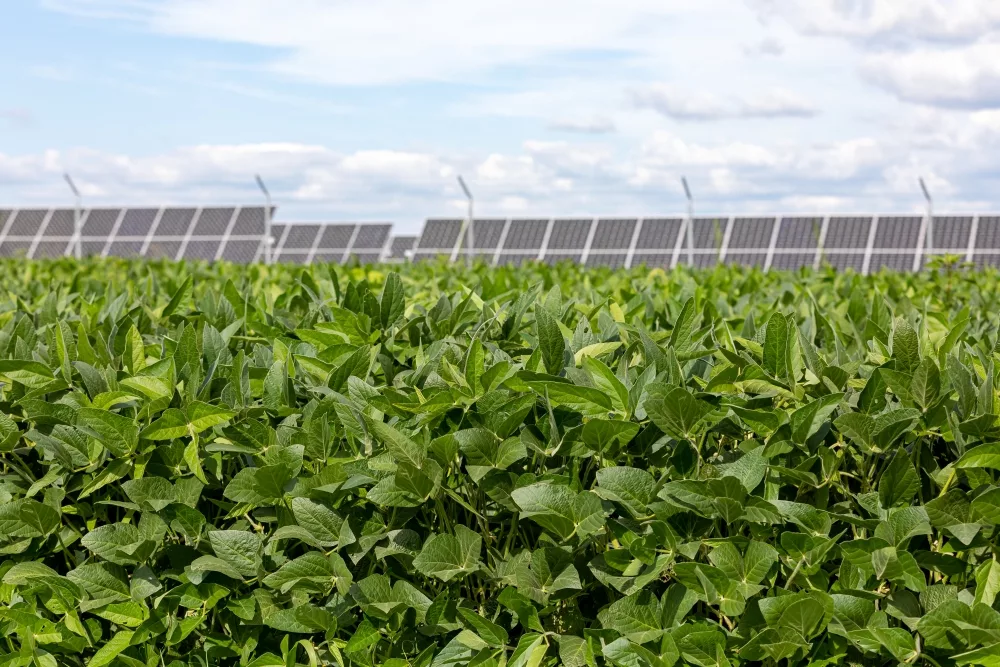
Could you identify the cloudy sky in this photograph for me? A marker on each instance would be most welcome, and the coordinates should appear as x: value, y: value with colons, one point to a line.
x: 369, y: 109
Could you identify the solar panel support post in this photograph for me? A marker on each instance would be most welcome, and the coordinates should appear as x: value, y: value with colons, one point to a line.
x: 689, y: 223
x: 469, y: 225
x: 930, y: 217
x: 268, y: 239
x: 77, y: 218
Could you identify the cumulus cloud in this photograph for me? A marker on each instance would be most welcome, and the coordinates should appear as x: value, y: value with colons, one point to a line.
x: 671, y: 101
x: 964, y: 77
x: 891, y: 20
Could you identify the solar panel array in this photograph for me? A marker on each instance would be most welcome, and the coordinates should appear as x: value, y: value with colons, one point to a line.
x: 861, y: 242
x: 233, y: 234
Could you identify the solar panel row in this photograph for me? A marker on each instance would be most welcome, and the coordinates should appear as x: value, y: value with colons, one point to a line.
x: 233, y: 234
x: 785, y: 242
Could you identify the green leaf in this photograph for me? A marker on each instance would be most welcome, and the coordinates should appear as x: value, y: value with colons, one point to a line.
x: 449, y: 556
x: 899, y: 483
x: 635, y: 617
x: 550, y: 341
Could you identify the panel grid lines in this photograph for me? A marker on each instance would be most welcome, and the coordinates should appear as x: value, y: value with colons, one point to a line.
x: 228, y: 233
x: 114, y: 233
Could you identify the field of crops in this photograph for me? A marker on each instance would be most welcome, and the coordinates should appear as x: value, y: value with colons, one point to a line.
x: 439, y: 467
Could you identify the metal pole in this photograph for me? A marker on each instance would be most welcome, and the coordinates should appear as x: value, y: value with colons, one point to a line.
x: 268, y: 240
x: 930, y: 217
x: 470, y: 225
x: 690, y: 221
x: 77, y: 216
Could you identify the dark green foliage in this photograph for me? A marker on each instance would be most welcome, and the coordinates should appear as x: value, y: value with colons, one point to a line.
x: 269, y: 466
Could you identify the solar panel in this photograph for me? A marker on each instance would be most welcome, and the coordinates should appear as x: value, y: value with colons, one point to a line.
x: 841, y: 261
x: 897, y: 232
x: 100, y: 222
x: 892, y: 261
x: 848, y: 232
x: 201, y: 249
x: 286, y: 257
x: 516, y: 259
x: 5, y: 216
x: 400, y: 245
x: 372, y: 236
x: 486, y: 235
x: 792, y: 260
x: 336, y: 237
x: 799, y: 233
x: 658, y: 234
x: 569, y: 234
x: 49, y: 249
x: 747, y: 258
x: 163, y: 249
x: 952, y: 233
x: 15, y: 248
x: 440, y: 235
x: 365, y: 257
x: 987, y: 235
x: 26, y: 223
x: 125, y: 248
x: 751, y: 233
x: 240, y: 251
x: 213, y: 222
x: 652, y: 260
x: 300, y: 237
x: 525, y: 235
x: 62, y: 224
x: 709, y: 232
x: 986, y: 260
x: 249, y: 222
x: 614, y: 260
x: 175, y: 222
x: 557, y: 257
x: 613, y: 233
x: 137, y: 222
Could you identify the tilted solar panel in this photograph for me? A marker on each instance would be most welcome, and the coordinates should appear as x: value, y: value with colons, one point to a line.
x: 486, y: 235
x: 27, y: 223
x: 659, y: 260
x: 249, y: 221
x: 792, y: 260
x: 5, y: 216
x: 163, y: 249
x: 897, y: 232
x: 796, y: 232
x: 952, y: 233
x: 708, y: 233
x: 747, y: 258
x: 372, y: 236
x: 400, y: 245
x: 613, y: 234
x: 440, y: 235
x: 100, y: 221
x: 557, y: 257
x: 300, y: 237
x: 614, y: 260
x: 213, y: 222
x: 62, y: 224
x: 751, y: 233
x: 848, y: 232
x: 175, y: 222
x: 336, y: 237
x: 525, y: 235
x: 987, y: 235
x: 841, y: 261
x: 125, y: 248
x: 658, y: 234
x: 891, y: 261
x: 14, y: 248
x: 569, y: 234
x: 198, y: 249
x: 137, y: 223
x: 240, y: 251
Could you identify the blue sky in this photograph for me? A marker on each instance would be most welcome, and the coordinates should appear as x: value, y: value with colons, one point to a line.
x: 369, y: 109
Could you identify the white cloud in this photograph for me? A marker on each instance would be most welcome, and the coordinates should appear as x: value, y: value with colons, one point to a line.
x: 966, y: 77
x: 17, y: 116
x: 592, y: 125
x: 699, y: 106
x: 769, y: 46
x: 891, y: 19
